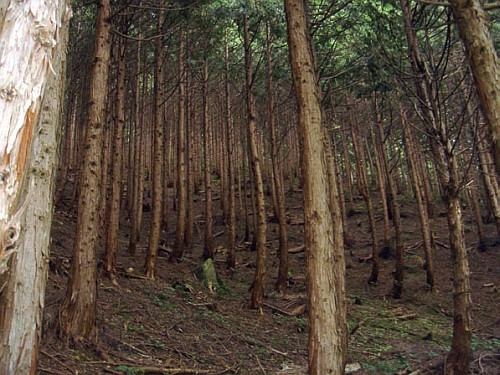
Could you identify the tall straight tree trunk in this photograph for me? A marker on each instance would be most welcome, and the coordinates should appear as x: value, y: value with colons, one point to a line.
x: 78, y: 312
x: 474, y: 29
x: 325, y: 251
x: 257, y: 298
x: 181, y: 156
x: 282, y: 279
x: 382, y: 187
x: 365, y: 192
x: 157, y: 198
x: 231, y: 226
x: 190, y: 122
x: 136, y: 210
x: 397, y: 288
x: 208, y: 247
x: 113, y: 217
x: 418, y: 188
x: 30, y: 171
x: 458, y: 359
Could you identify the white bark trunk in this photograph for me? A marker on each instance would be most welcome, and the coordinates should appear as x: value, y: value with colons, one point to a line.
x: 27, y: 44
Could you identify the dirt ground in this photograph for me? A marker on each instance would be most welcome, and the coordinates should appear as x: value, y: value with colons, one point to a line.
x: 176, y: 325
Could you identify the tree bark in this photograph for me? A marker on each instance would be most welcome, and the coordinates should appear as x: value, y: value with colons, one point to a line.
x: 181, y: 157
x: 257, y: 298
x: 78, y: 312
x: 231, y: 226
x: 208, y: 247
x: 474, y: 29
x: 157, y: 198
x: 324, y: 245
x: 136, y: 211
x: 281, y: 281
x: 24, y: 259
x: 113, y: 216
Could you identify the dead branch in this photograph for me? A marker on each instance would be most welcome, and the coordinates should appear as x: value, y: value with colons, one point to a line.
x: 296, y: 250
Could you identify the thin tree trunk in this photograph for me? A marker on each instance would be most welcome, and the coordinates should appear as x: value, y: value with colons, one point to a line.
x: 458, y: 359
x: 231, y: 226
x: 257, y: 298
x: 281, y: 282
x: 397, y: 289
x: 365, y: 192
x: 181, y: 157
x: 113, y: 218
x: 78, y: 312
x: 418, y: 188
x: 208, y: 247
x: 136, y: 197
x: 190, y: 122
x: 157, y: 199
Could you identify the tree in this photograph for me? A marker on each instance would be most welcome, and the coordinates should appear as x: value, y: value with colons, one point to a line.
x: 114, y: 201
x: 281, y: 281
x: 257, y: 298
x: 154, y: 233
x: 445, y: 159
x: 324, y: 241
x: 208, y: 247
x: 78, y: 312
x: 474, y: 29
x: 29, y: 135
x: 181, y: 174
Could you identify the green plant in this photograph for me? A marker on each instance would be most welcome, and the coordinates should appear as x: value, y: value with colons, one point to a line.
x: 130, y: 370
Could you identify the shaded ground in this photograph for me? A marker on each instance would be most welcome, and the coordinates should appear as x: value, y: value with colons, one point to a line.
x: 177, y: 324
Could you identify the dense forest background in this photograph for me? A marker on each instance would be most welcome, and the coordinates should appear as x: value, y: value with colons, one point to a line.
x: 192, y: 151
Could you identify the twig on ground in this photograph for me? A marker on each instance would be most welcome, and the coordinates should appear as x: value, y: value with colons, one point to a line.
x: 58, y: 361
x: 260, y: 365
x: 296, y: 250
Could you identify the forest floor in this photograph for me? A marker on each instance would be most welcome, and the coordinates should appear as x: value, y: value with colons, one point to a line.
x: 176, y: 324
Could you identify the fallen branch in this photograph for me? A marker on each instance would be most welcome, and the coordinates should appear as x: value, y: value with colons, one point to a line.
x: 163, y: 370
x: 218, y: 234
x: 296, y: 250
x: 58, y: 361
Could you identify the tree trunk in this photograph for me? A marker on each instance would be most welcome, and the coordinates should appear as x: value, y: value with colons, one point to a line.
x: 257, y: 298
x: 282, y: 279
x: 136, y: 194
x: 231, y: 226
x: 325, y: 250
x: 397, y: 289
x: 113, y: 217
x: 458, y: 359
x: 365, y: 192
x: 157, y: 198
x: 78, y: 312
x: 190, y: 122
x: 208, y: 247
x: 24, y: 256
x: 474, y: 29
x: 181, y: 157
x: 418, y: 189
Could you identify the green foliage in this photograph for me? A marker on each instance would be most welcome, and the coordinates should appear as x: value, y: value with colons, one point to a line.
x: 127, y: 370
x: 491, y: 344
x: 163, y: 300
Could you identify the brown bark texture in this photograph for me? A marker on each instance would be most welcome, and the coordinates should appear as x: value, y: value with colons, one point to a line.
x: 324, y: 243
x: 78, y: 312
x: 474, y: 29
